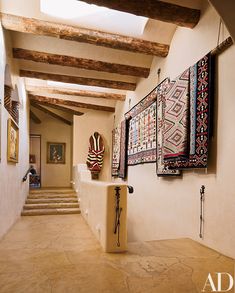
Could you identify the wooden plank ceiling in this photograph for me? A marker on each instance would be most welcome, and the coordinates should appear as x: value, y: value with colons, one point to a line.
x: 118, y: 77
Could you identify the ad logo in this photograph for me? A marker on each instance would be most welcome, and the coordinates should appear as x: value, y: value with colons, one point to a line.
x: 223, y: 282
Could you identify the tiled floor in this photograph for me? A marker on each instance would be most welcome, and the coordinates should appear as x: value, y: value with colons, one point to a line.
x: 58, y: 254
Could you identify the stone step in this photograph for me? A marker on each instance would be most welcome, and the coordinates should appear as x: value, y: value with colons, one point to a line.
x: 51, y: 195
x: 51, y: 200
x: 40, y: 212
x: 52, y: 190
x: 50, y: 206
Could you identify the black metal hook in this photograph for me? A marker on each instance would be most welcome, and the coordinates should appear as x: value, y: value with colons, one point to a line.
x: 130, y: 189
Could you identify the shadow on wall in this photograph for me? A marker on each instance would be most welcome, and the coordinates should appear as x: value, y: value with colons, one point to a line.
x: 226, y: 11
x: 212, y: 159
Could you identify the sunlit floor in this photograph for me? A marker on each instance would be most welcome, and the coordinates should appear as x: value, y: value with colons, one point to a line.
x: 60, y: 254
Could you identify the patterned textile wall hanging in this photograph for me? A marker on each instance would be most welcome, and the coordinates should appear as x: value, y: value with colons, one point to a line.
x: 116, y: 136
x: 123, y: 149
x: 176, y: 120
x: 162, y: 170
x: 11, y: 106
x: 201, y: 91
x: 142, y: 131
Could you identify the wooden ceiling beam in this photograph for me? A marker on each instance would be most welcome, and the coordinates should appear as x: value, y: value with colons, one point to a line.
x: 72, y: 33
x: 121, y: 85
x: 58, y: 107
x: 48, y: 112
x: 76, y: 93
x: 34, y: 117
x: 48, y: 102
x: 61, y: 102
x: 88, y: 64
x: 155, y: 9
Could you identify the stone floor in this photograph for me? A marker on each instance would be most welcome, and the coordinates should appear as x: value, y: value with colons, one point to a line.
x: 58, y: 254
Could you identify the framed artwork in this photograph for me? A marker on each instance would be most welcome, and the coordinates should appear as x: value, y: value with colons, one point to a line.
x: 12, y: 142
x: 32, y: 159
x: 55, y: 153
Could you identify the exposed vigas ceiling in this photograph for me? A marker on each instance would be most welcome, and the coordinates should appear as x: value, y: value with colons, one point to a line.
x: 95, y: 17
x: 72, y: 50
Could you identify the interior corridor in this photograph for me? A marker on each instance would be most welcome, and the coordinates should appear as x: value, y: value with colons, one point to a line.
x: 116, y: 149
x: 60, y: 254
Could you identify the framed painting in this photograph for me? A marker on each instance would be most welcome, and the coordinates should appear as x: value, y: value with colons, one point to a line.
x: 32, y: 159
x: 12, y: 142
x: 55, y: 153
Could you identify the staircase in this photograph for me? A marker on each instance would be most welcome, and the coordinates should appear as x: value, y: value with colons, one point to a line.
x: 51, y: 202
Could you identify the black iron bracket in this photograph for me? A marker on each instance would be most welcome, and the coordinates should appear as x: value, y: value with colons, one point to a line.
x: 202, y: 199
x: 118, y: 211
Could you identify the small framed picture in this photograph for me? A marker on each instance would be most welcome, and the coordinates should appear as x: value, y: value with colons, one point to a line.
x: 55, y: 153
x: 32, y: 159
x: 12, y: 142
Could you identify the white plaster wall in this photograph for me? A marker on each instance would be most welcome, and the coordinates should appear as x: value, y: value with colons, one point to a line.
x: 169, y: 208
x: 83, y: 127
x: 97, y: 200
x: 12, y: 190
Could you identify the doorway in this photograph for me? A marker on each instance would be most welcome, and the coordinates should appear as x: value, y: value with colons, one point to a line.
x: 35, y: 161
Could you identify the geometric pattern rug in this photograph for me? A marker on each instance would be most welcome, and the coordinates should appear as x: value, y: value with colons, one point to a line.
x: 142, y: 131
x: 116, y: 136
x: 176, y: 118
x: 162, y: 169
x: 201, y: 98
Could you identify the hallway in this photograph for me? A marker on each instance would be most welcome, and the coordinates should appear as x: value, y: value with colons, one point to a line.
x: 115, y: 135
x: 60, y: 254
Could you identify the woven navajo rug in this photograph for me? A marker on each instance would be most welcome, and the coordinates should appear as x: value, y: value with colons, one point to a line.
x: 193, y: 106
x: 116, y: 135
x: 176, y: 119
x: 201, y: 96
x: 123, y: 149
x: 142, y: 105
x: 142, y: 131
x: 142, y: 137
x: 162, y: 169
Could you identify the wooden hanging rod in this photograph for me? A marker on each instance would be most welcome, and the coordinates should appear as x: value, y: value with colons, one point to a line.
x: 222, y: 46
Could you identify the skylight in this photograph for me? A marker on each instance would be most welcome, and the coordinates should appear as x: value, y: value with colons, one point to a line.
x: 71, y: 86
x: 95, y: 17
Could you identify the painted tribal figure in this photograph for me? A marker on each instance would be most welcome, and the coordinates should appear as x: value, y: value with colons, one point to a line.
x: 95, y: 155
